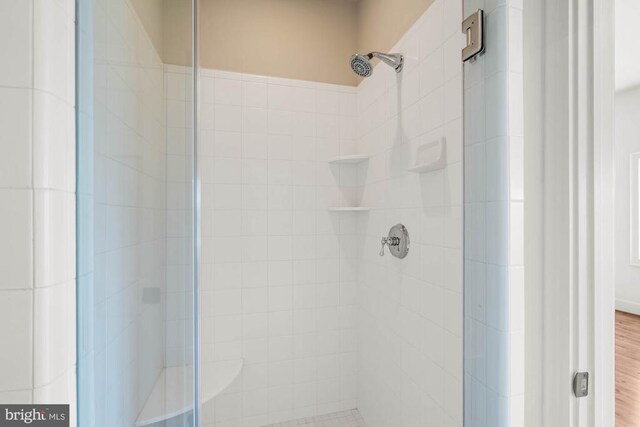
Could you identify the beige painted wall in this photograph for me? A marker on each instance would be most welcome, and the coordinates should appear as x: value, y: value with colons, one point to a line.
x: 381, y: 23
x: 150, y: 13
x: 177, y: 21
x: 298, y: 39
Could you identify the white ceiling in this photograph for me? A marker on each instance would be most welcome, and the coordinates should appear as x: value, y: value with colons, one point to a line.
x: 627, y: 44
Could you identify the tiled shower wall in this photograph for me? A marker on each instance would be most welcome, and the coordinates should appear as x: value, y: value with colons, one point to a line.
x: 280, y: 273
x: 494, y: 216
x: 122, y: 242
x: 278, y: 269
x: 37, y: 209
x: 410, y: 311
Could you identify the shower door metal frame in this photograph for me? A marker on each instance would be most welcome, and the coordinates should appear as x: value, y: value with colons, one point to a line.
x: 196, y: 213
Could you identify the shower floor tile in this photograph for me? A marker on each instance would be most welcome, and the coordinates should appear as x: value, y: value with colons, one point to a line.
x: 349, y: 418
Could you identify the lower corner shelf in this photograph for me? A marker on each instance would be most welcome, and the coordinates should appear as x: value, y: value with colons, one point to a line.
x: 172, y: 393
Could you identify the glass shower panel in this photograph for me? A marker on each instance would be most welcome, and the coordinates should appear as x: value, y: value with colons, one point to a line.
x: 304, y: 167
x: 135, y: 214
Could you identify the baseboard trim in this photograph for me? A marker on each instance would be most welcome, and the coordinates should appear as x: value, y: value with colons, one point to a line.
x: 628, y: 306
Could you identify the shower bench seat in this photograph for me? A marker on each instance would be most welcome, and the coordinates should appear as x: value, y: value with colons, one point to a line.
x: 172, y: 393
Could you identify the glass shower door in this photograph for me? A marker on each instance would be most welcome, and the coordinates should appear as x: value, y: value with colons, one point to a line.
x: 135, y: 214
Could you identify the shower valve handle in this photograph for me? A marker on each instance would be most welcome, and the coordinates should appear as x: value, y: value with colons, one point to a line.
x: 389, y: 241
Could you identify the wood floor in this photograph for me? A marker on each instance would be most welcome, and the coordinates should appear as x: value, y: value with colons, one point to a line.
x: 627, y: 370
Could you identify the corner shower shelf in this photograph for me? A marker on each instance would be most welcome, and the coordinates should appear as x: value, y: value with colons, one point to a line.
x: 350, y: 159
x: 349, y: 209
x: 171, y: 394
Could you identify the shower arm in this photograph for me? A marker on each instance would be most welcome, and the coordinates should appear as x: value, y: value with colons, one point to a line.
x: 394, y: 60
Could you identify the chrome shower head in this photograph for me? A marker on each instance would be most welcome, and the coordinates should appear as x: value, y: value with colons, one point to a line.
x: 361, y: 64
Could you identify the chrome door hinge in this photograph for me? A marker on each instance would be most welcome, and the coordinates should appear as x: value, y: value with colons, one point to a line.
x: 473, y: 27
x: 581, y: 384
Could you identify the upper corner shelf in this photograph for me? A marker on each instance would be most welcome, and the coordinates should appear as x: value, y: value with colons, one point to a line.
x: 350, y: 159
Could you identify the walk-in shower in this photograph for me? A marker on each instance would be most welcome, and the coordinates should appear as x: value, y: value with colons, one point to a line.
x: 361, y: 64
x: 301, y: 169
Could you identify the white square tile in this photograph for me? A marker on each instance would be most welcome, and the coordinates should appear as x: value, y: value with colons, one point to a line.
x: 16, y: 140
x: 254, y: 120
x: 16, y: 222
x: 16, y: 396
x: 475, y: 349
x: 53, y: 40
x: 497, y: 227
x: 497, y: 169
x: 303, y: 99
x: 516, y: 299
x: 496, y: 104
x: 279, y: 122
x: 432, y: 110
x: 54, y: 237
x: 498, y: 297
x: 452, y: 17
x: 16, y: 44
x: 281, y: 323
x: 515, y: 39
x: 177, y: 115
x: 227, y: 144
x: 227, y: 302
x: 254, y: 300
x: 280, y: 97
x: 254, y: 146
x: 430, y: 31
x: 517, y: 363
x: 53, y: 143
x: 516, y: 168
x: 328, y: 102
x: 255, y: 94
x: 227, y: 91
x: 16, y: 332
x: 516, y: 233
x: 498, y: 361
x: 451, y: 55
x: 432, y: 72
x: 227, y: 118
x: 453, y: 99
x: 516, y: 104
x: 176, y: 87
x: 496, y: 58
x: 54, y: 346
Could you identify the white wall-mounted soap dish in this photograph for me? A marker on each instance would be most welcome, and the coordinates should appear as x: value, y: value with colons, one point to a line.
x: 431, y: 157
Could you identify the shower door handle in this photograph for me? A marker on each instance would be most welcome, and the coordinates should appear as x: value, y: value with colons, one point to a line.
x: 389, y: 241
